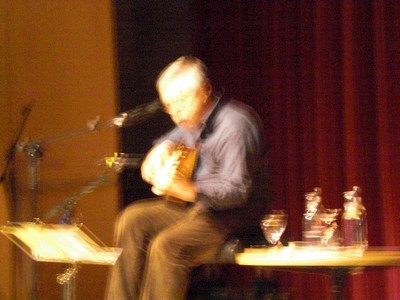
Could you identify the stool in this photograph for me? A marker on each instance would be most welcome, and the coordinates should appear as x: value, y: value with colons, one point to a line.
x: 209, y: 279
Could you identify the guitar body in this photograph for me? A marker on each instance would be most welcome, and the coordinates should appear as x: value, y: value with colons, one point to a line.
x: 186, y: 160
x: 181, y: 164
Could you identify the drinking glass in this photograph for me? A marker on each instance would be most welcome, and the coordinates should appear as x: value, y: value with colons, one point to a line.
x: 273, y: 225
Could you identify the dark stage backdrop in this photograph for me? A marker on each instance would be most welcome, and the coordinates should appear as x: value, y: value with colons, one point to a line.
x: 149, y: 34
x: 324, y: 76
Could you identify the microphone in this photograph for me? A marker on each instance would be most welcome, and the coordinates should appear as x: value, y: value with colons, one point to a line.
x: 138, y: 115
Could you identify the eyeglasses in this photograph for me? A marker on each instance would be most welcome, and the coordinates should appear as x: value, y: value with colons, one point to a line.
x: 182, y: 102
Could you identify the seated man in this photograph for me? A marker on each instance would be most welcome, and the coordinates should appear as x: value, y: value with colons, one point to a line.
x: 209, y: 175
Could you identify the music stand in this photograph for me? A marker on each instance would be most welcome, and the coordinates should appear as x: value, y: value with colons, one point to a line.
x: 63, y: 243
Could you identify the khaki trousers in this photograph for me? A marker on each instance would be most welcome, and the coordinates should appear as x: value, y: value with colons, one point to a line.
x: 161, y: 243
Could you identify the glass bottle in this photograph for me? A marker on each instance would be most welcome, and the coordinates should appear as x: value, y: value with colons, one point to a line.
x: 311, y: 223
x: 354, y: 219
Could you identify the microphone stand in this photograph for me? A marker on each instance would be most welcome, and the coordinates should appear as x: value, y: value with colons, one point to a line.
x: 11, y: 152
x: 34, y: 151
x: 10, y: 157
x: 5, y: 178
x: 66, y: 212
x: 112, y: 165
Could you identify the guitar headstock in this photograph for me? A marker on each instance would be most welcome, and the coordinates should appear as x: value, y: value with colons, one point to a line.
x: 119, y: 161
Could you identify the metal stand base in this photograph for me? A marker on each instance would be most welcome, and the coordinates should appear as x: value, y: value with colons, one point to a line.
x: 68, y: 280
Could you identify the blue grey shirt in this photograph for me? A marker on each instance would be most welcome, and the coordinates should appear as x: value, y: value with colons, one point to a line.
x: 231, y: 150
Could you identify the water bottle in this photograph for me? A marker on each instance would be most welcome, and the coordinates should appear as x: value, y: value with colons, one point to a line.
x: 354, y: 219
x: 311, y: 223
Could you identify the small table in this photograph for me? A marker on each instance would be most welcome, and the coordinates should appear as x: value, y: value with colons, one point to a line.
x: 338, y: 260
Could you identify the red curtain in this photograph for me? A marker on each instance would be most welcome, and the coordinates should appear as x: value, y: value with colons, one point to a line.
x: 324, y: 75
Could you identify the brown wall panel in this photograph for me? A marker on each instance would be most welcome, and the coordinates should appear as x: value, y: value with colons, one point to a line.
x: 59, y: 56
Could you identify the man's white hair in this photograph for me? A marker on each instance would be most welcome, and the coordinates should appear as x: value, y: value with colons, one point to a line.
x: 184, y: 74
